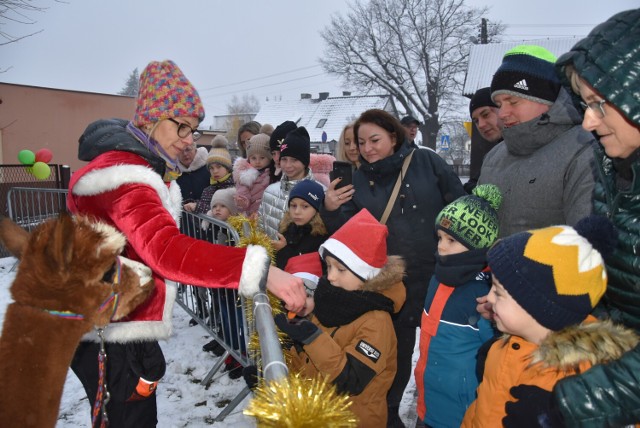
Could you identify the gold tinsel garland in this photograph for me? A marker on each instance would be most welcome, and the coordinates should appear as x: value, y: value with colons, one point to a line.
x: 300, y: 403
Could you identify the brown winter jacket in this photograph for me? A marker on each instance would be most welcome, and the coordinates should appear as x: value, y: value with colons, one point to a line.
x: 369, y: 340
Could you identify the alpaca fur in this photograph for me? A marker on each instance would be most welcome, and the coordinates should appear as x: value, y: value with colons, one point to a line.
x: 63, y: 264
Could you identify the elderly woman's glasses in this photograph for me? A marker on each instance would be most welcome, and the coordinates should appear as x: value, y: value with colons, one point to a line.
x: 185, y: 130
x: 597, y: 107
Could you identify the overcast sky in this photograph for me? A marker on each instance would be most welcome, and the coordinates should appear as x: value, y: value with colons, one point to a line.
x: 269, y: 49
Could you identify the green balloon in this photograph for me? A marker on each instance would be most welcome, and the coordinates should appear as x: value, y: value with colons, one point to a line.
x: 26, y: 157
x: 41, y: 170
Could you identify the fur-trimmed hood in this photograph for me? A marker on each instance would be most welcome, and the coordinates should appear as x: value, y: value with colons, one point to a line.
x: 390, y: 274
x: 199, y: 160
x: 244, y: 173
x: 594, y: 341
x: 321, y: 165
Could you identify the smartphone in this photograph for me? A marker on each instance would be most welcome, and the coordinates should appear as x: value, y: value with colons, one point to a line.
x: 343, y: 170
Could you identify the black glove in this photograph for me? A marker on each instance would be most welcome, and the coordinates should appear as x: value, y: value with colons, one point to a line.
x: 534, y: 408
x: 299, y: 329
x: 250, y: 375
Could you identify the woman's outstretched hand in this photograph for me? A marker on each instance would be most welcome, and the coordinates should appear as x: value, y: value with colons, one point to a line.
x: 288, y: 288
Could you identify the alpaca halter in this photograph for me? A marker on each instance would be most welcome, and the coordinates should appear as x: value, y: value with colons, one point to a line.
x: 112, y: 298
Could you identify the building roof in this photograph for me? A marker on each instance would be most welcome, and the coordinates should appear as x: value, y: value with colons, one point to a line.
x: 484, y: 60
x: 317, y: 115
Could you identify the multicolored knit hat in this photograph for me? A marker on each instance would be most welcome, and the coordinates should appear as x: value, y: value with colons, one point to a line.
x: 278, y: 135
x: 219, y: 153
x: 165, y: 93
x: 482, y: 98
x: 259, y: 145
x: 360, y: 245
x: 527, y: 71
x: 472, y: 219
x: 310, y: 191
x: 297, y: 144
x: 556, y: 274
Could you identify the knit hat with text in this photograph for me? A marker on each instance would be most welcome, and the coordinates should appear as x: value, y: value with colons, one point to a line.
x: 259, y: 145
x: 527, y: 71
x: 164, y: 93
x: 219, y: 153
x: 473, y: 219
x: 278, y: 135
x: 556, y: 274
x: 360, y: 245
x: 310, y: 191
x: 297, y: 144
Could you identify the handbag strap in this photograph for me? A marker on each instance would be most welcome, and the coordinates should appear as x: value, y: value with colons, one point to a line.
x: 396, y: 188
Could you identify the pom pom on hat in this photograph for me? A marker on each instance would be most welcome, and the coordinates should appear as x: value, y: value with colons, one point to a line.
x: 527, y: 71
x: 310, y: 191
x: 226, y: 197
x: 259, y: 145
x: 308, y: 267
x: 482, y: 98
x: 278, y: 135
x: 297, y: 144
x: 165, y: 93
x: 360, y: 245
x: 473, y: 219
x: 555, y: 274
x: 219, y: 153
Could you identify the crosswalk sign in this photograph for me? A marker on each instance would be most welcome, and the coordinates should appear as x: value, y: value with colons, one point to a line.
x: 445, y: 144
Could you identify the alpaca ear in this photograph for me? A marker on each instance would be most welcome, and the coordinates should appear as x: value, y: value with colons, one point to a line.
x: 60, y: 248
x: 13, y: 237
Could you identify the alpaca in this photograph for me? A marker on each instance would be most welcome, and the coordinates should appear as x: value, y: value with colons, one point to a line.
x: 70, y: 279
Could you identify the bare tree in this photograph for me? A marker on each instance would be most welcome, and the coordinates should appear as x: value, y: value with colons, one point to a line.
x: 132, y: 85
x: 18, y: 11
x: 243, y: 105
x: 414, y: 50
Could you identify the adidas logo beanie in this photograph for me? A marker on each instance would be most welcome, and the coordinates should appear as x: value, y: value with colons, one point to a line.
x: 527, y: 71
x: 472, y: 220
x: 556, y: 274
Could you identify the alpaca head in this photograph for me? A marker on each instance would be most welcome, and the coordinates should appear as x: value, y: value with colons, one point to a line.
x: 73, y: 264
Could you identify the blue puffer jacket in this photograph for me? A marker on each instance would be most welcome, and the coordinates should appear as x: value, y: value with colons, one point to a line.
x: 428, y: 186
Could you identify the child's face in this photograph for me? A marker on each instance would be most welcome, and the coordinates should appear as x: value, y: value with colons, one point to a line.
x: 300, y: 211
x: 511, y: 318
x: 217, y: 171
x: 258, y: 161
x: 221, y: 212
x: 447, y: 244
x: 292, y: 167
x: 341, y: 277
x: 275, y: 154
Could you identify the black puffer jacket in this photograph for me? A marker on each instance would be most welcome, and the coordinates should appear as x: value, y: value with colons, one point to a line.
x: 428, y: 186
x: 609, y: 60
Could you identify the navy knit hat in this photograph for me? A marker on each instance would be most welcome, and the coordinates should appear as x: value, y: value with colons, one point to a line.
x: 528, y: 72
x: 310, y: 191
x: 482, y: 98
x: 278, y: 135
x: 297, y: 144
x: 472, y: 219
x: 556, y: 274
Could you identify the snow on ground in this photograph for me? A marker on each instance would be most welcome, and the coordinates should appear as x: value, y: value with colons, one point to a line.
x: 182, y: 400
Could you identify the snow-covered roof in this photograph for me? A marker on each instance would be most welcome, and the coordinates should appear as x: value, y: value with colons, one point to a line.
x: 484, y: 60
x: 334, y: 111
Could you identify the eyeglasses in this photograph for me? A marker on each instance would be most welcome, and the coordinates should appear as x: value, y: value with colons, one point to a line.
x: 185, y: 130
x: 597, y: 107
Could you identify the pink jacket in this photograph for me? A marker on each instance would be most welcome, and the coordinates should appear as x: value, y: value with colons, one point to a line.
x: 250, y: 185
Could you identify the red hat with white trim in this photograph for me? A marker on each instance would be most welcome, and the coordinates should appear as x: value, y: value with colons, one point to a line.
x: 360, y: 245
x: 308, y: 267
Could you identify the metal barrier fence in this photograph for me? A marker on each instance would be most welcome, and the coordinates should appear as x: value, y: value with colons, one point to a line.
x: 221, y: 312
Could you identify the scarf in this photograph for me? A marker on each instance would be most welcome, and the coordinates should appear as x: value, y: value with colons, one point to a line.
x: 172, y: 170
x: 213, y: 181
x: 458, y: 269
x: 335, y: 306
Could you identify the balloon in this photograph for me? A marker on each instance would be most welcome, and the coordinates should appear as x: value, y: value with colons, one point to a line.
x: 26, y: 157
x: 41, y: 170
x: 44, y: 155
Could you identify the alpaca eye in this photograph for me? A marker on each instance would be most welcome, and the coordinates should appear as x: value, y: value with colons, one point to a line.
x: 109, y: 274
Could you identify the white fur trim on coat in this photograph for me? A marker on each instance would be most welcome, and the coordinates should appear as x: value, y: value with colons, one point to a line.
x: 110, y: 178
x: 254, y: 269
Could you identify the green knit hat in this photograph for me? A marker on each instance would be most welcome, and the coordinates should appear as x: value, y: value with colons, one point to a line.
x: 473, y: 219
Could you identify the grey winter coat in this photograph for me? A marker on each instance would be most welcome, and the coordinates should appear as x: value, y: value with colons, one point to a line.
x: 543, y: 169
